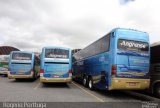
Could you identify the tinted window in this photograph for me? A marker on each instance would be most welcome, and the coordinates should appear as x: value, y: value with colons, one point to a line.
x: 155, y: 54
x: 57, y: 53
x: 21, y: 56
x: 99, y: 46
x: 133, y: 45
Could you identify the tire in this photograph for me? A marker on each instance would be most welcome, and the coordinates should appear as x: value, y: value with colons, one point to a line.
x: 157, y: 91
x: 85, y: 81
x: 18, y: 79
x: 35, y: 75
x: 6, y: 75
x: 45, y: 84
x: 73, y: 78
x: 90, y: 84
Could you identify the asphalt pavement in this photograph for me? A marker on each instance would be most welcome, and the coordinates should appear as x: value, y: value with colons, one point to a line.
x: 34, y: 91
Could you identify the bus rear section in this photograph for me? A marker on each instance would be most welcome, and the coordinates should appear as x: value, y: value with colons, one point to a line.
x: 55, y: 65
x: 21, y: 65
x: 132, y: 60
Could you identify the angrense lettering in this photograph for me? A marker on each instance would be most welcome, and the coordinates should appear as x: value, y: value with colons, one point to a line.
x: 132, y: 44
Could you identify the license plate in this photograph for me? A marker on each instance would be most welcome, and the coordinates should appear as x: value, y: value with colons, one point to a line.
x: 56, y: 76
x: 132, y: 83
x: 21, y: 71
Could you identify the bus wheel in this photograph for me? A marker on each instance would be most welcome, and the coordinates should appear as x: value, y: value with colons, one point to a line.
x: 6, y: 75
x: 85, y: 81
x: 18, y: 79
x: 157, y: 90
x: 90, y: 83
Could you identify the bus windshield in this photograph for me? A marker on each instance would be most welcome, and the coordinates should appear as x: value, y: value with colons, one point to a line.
x: 21, y: 56
x: 130, y: 45
x: 57, y: 53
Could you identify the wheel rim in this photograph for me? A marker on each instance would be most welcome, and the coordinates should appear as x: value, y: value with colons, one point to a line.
x: 90, y: 84
x: 84, y: 81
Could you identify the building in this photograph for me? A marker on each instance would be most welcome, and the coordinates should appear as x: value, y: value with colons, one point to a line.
x: 5, y: 50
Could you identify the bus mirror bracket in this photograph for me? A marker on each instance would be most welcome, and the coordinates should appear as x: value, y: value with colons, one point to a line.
x: 113, y: 34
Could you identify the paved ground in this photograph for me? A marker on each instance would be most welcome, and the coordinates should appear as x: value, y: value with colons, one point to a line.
x: 33, y: 91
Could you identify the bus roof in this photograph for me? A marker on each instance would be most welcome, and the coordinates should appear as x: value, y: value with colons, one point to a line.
x: 155, y: 44
x: 52, y: 47
x: 128, y: 29
x: 23, y: 52
x: 131, y: 33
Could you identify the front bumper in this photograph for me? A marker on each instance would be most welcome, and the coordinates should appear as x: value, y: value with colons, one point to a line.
x: 126, y: 84
x: 55, y: 80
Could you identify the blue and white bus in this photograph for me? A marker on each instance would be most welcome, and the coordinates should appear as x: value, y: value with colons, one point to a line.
x: 117, y: 61
x: 56, y: 65
x: 23, y: 64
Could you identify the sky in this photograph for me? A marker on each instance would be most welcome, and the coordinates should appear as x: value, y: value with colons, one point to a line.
x: 32, y: 24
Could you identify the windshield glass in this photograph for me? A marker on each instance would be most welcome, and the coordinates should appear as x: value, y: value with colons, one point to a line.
x: 21, y: 56
x: 57, y: 53
x: 130, y: 45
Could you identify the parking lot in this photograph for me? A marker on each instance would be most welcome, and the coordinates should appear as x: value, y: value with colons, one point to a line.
x: 29, y: 91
